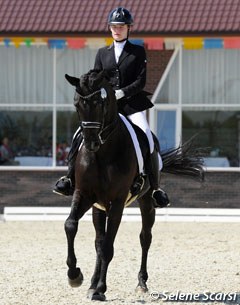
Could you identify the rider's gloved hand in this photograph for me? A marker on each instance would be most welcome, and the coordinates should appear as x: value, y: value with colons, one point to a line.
x: 119, y: 94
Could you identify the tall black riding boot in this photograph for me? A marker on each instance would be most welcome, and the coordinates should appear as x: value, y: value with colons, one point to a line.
x: 65, y: 185
x: 160, y: 197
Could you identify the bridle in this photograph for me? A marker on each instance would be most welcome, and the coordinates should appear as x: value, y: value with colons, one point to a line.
x: 104, y: 131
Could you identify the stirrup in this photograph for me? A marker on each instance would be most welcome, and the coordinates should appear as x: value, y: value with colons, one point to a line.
x: 161, y: 199
x: 64, y: 187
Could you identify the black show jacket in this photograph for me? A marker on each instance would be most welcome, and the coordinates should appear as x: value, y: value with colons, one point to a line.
x: 129, y: 75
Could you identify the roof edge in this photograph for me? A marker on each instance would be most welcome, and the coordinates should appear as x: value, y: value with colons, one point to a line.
x: 105, y: 34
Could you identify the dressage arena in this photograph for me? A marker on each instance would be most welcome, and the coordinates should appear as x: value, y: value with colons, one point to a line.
x: 187, y: 259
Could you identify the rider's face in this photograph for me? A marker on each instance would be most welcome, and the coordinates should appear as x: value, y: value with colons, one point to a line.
x: 119, y: 31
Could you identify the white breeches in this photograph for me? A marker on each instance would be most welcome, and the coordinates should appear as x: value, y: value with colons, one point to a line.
x: 139, y: 119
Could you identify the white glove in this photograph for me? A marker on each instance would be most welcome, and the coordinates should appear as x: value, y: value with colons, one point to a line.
x: 119, y: 94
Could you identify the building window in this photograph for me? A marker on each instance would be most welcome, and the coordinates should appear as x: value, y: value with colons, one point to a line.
x: 203, y: 88
x: 36, y: 102
x: 217, y: 132
x: 166, y: 128
x: 29, y: 133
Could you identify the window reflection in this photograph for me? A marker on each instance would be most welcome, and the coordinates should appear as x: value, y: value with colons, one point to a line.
x: 218, y: 131
x: 30, y: 136
x: 166, y: 128
x: 67, y: 124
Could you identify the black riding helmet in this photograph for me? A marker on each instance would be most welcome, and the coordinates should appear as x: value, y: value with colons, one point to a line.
x: 120, y: 15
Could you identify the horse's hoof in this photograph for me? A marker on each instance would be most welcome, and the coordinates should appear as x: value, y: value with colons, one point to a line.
x: 77, y: 281
x: 141, y: 289
x: 98, y: 296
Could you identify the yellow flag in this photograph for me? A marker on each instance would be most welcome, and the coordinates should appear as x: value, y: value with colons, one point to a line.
x: 192, y: 43
x: 108, y: 41
x: 17, y: 41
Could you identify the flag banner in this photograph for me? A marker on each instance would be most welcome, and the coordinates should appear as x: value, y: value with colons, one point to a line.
x: 7, y: 42
x: 137, y: 41
x: 151, y: 43
x: 232, y: 43
x: 28, y: 41
x: 154, y: 43
x: 56, y: 43
x: 95, y: 43
x: 172, y: 43
x: 108, y: 41
x: 41, y: 41
x: 76, y: 43
x: 17, y: 41
x: 213, y: 43
x: 191, y: 43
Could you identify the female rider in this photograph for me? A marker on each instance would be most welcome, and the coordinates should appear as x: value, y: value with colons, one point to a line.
x: 125, y: 64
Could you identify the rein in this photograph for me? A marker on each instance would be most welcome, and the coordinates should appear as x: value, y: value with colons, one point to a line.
x: 105, y: 131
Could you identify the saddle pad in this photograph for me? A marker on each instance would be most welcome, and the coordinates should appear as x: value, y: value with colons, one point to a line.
x: 135, y: 143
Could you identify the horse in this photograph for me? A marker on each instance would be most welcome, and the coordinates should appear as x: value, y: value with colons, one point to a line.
x: 105, y: 170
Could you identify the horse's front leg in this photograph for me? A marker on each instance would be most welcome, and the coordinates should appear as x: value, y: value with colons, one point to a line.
x: 107, y: 250
x: 99, y: 222
x: 148, y: 219
x: 78, y: 209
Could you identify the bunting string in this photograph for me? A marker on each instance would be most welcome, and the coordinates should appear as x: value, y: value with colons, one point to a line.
x: 150, y: 43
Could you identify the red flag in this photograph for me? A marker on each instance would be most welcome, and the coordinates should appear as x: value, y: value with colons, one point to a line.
x: 232, y: 43
x: 154, y: 43
x: 76, y: 43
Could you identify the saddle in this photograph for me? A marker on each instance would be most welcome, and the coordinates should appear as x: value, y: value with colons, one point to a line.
x: 141, y: 178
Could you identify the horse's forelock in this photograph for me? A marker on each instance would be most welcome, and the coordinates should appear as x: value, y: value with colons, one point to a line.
x: 96, y: 78
x: 91, y: 81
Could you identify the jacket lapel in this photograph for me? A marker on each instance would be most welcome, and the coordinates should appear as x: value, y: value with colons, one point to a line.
x: 111, y: 53
x: 125, y: 52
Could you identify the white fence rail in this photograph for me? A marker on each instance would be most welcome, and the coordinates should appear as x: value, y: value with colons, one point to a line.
x: 130, y: 214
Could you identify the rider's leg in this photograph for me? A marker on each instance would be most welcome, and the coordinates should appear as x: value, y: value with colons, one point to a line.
x: 153, y: 164
x: 65, y: 185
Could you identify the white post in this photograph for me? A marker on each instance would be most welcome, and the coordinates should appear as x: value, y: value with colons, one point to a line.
x: 54, y: 117
x: 178, y: 132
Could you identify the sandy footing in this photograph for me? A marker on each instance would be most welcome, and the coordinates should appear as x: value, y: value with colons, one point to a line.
x: 186, y: 260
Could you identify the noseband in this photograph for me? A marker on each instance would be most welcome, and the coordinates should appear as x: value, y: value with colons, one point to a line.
x: 103, y: 130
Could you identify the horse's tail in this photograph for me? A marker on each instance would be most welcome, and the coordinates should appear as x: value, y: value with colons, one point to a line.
x: 184, y: 160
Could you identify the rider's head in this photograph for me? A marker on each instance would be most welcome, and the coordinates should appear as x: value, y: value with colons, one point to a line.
x: 119, y: 22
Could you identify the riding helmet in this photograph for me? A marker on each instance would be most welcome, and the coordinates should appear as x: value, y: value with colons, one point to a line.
x: 120, y: 15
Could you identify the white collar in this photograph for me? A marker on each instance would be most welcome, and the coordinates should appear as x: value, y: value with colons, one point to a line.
x: 119, y: 45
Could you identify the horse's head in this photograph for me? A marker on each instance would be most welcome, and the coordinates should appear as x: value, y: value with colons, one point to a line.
x: 96, y: 106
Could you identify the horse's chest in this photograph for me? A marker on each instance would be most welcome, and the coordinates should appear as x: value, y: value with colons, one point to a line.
x: 98, y: 170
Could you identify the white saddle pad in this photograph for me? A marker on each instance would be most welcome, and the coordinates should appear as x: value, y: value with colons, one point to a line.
x: 135, y: 143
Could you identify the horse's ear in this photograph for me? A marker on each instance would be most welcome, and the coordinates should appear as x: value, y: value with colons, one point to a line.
x: 74, y: 81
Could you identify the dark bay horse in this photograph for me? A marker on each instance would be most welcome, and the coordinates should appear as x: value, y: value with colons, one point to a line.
x: 105, y: 169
